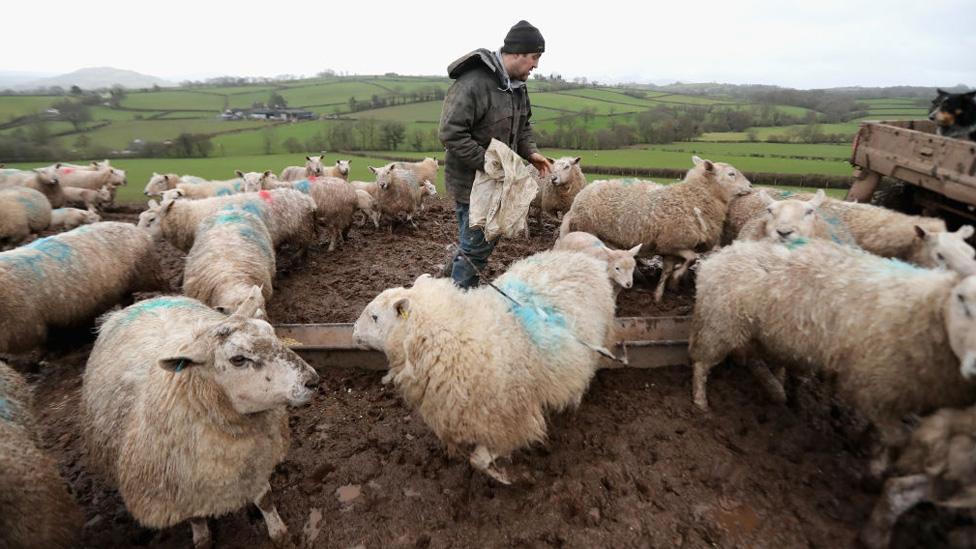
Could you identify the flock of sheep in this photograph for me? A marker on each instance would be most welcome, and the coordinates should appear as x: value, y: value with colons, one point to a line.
x: 184, y: 396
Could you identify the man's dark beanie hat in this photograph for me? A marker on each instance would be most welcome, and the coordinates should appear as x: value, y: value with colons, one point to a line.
x: 524, y: 38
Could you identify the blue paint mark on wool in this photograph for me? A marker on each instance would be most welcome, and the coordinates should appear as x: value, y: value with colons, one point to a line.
x: 545, y: 325
x: 253, y: 207
x: 237, y: 186
x: 838, y: 230
x: 244, y: 224
x: 303, y: 186
x: 159, y: 304
x: 6, y: 413
x: 32, y: 207
x: 898, y: 268
x: 796, y: 243
x: 224, y: 191
x: 31, y: 259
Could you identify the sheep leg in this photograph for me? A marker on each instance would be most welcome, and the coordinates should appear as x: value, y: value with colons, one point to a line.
x: 699, y: 384
x: 689, y: 256
x: 201, y: 533
x: 666, y: 271
x: 899, y: 495
x: 770, y: 383
x: 482, y: 460
x: 277, y: 530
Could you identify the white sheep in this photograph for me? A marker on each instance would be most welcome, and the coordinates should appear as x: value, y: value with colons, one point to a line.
x: 22, y: 211
x: 161, y: 182
x: 947, y: 249
x: 312, y: 168
x: 224, y: 280
x: 87, y: 198
x: 370, y: 187
x: 44, y: 180
x: 426, y: 189
x: 185, y: 410
x: 789, y: 219
x: 557, y: 192
x: 878, y: 230
x: 93, y: 178
x: 366, y: 204
x: 620, y: 263
x: 340, y: 170
x: 335, y: 203
x: 488, y: 382
x: 255, y: 181
x: 676, y: 221
x: 35, y: 508
x: 423, y: 170
x: 67, y: 279
x: 65, y: 219
x: 893, y: 334
x: 288, y: 213
x: 398, y: 193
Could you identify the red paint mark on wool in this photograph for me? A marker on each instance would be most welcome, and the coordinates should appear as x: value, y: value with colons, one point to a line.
x: 265, y: 195
x: 67, y: 170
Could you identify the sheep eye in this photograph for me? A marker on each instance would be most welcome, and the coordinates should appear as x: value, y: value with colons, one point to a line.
x: 375, y: 318
x: 808, y: 212
x: 961, y: 298
x: 769, y: 211
x: 941, y: 258
x: 731, y: 174
x: 239, y: 361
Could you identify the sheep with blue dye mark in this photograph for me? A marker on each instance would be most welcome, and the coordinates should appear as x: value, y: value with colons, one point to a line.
x: 288, y: 214
x: 676, y: 221
x: 23, y: 211
x: 232, y: 252
x: 620, y: 263
x: 35, y: 508
x: 184, y: 410
x: 788, y: 219
x: 878, y: 230
x: 65, y: 219
x: 43, y: 180
x: 67, y: 279
x: 489, y: 380
x: 313, y: 168
x: 895, y: 336
x: 161, y: 182
x: 209, y: 189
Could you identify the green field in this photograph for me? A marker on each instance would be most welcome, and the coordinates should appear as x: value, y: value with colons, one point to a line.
x: 174, y: 100
x: 120, y: 134
x: 15, y: 106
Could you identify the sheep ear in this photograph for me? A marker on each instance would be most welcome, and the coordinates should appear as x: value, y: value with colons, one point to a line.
x: 635, y: 250
x: 402, y: 307
x: 709, y: 167
x: 57, y: 166
x: 550, y: 159
x: 239, y: 173
x: 920, y: 232
x: 577, y: 159
x: 818, y: 198
x: 191, y: 353
x: 166, y: 178
x: 372, y: 169
x: 764, y: 196
x: 267, y: 173
x: 965, y: 231
x: 250, y: 307
x: 309, y: 158
x: 696, y: 160
x: 349, y: 162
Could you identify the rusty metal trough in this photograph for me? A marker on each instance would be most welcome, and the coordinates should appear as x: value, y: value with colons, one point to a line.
x: 646, y: 342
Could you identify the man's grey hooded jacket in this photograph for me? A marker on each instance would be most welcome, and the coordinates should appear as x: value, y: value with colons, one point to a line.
x: 479, y: 106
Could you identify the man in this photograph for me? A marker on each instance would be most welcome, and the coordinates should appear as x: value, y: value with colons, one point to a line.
x: 488, y: 99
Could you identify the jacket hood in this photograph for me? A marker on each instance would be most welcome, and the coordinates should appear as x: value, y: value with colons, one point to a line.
x: 477, y: 58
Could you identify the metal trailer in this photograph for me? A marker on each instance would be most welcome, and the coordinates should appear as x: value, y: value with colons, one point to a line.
x: 938, y: 173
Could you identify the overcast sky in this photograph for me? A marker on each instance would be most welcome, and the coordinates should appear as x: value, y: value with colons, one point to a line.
x: 798, y: 44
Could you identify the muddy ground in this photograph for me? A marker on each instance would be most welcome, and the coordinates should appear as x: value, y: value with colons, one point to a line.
x: 637, y: 465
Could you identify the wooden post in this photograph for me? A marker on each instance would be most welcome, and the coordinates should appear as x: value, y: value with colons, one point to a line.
x: 865, y: 182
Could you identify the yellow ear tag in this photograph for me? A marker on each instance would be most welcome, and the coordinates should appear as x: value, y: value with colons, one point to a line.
x: 404, y: 314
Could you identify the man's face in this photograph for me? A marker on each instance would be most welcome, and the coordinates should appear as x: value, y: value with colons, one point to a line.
x: 522, y: 64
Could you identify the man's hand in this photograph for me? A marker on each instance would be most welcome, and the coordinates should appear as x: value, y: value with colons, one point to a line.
x: 541, y: 163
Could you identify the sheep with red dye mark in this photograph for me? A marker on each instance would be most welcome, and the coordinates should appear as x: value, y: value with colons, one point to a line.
x: 35, y: 508
x: 67, y: 279
x: 43, y: 180
x: 185, y: 411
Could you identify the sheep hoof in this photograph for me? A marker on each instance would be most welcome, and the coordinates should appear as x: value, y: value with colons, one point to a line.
x: 498, y: 474
x: 388, y: 378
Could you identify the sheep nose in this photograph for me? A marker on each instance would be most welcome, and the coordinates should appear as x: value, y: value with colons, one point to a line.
x: 312, y: 380
x: 784, y: 234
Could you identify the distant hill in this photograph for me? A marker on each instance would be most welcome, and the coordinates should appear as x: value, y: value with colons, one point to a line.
x: 97, y: 77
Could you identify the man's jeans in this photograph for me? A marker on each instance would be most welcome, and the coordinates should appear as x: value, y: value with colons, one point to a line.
x: 475, y: 247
